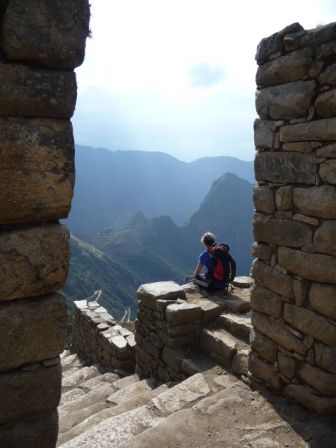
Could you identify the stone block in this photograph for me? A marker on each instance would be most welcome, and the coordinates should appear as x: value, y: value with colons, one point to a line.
x: 310, y: 399
x: 274, y: 43
x: 323, y: 382
x: 149, y: 293
x: 273, y: 278
x: 325, y: 104
x: 317, y: 130
x: 262, y: 251
x: 264, y: 133
x: 328, y: 76
x: 327, y: 151
x: 26, y: 394
x: 287, y: 365
x: 319, y: 202
x: 310, y: 323
x: 240, y: 362
x: 281, y: 231
x: 275, y: 330
x: 31, y: 92
x: 285, y: 167
x: 265, y: 347
x: 285, y: 101
x: 263, y: 371
x: 305, y: 147
x: 316, y: 267
x: 306, y: 219
x: 266, y: 301
x: 309, y: 38
x: 283, y: 198
x: 180, y: 313
x: 36, y: 169
x: 291, y: 67
x: 263, y: 199
x: 48, y: 32
x: 322, y: 298
x: 38, y: 326
x: 40, y: 432
x: 300, y: 288
x: 328, y: 171
x: 325, y: 357
x: 34, y: 261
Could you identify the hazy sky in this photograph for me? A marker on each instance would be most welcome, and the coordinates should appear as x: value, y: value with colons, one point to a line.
x: 178, y: 75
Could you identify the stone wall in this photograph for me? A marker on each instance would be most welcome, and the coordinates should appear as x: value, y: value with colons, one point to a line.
x: 165, y: 322
x: 98, y: 339
x: 294, y: 299
x: 41, y: 43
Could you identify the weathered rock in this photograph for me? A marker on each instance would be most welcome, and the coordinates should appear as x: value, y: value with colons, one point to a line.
x: 242, y: 281
x: 316, y: 201
x: 265, y: 347
x: 281, y: 231
x: 285, y: 101
x: 263, y: 199
x: 322, y: 298
x: 313, y: 37
x: 327, y: 151
x: 272, y: 278
x: 274, y: 43
x: 310, y: 323
x: 292, y: 67
x: 325, y: 104
x: 306, y: 219
x: 262, y: 251
x: 38, y: 326
x: 30, y: 92
x: 37, y: 169
x: 263, y: 371
x: 288, y: 167
x: 325, y: 357
x: 172, y: 358
x: 181, y: 313
x: 39, y: 432
x: 266, y: 301
x: 316, y: 267
x: 305, y: 147
x: 274, y: 330
x: 328, y: 76
x: 39, y: 264
x: 283, y: 198
x: 311, y: 400
x: 264, y: 133
x: 328, y: 171
x: 149, y: 293
x: 240, y: 362
x: 318, y: 130
x: 26, y: 394
x: 323, y: 382
x: 287, y: 365
x: 51, y: 33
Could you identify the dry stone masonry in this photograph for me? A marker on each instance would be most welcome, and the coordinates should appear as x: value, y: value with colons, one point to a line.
x: 41, y: 43
x: 294, y: 298
x: 98, y: 339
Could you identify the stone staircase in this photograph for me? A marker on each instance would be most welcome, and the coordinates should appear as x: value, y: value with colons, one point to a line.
x: 101, y: 408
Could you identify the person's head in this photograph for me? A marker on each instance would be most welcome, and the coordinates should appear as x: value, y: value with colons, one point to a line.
x: 208, y: 239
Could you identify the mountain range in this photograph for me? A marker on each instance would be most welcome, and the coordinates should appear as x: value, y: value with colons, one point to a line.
x: 111, y: 186
x: 156, y: 249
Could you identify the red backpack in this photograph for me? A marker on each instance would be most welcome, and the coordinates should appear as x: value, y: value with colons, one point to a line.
x: 224, y: 269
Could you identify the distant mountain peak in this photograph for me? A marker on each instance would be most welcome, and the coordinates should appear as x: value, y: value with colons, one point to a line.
x: 138, y: 221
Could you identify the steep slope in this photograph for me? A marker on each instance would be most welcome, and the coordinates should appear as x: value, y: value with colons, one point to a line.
x: 113, y: 185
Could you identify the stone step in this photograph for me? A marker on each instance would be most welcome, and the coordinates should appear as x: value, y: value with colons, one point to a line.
x: 238, y: 325
x: 226, y: 349
x: 88, y: 386
x: 132, y: 396
x: 243, y: 282
x: 124, y: 427
x: 70, y: 361
x: 196, y: 362
x: 78, y: 377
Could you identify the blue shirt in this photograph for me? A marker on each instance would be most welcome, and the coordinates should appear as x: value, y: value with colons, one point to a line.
x: 205, y: 260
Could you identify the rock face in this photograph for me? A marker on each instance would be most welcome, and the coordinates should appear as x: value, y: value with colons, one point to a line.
x: 293, y: 300
x: 42, y: 41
